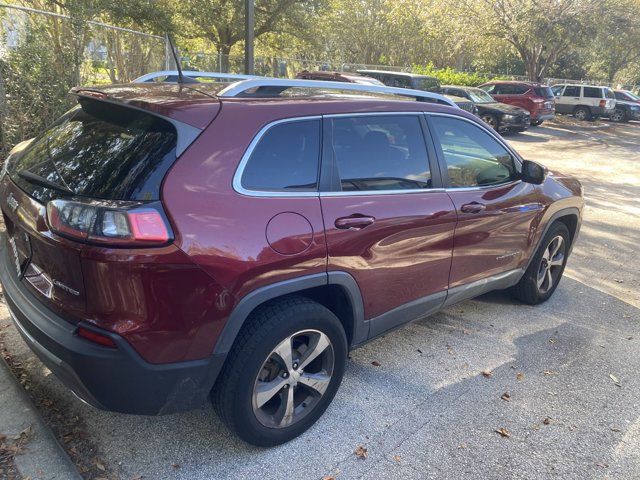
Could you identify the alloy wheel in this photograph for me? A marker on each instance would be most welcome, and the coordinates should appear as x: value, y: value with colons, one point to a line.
x: 551, y: 264
x: 581, y: 114
x: 293, y: 379
x: 617, y: 115
x: 490, y: 120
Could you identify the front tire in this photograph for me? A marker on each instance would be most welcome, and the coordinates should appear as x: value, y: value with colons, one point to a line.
x: 491, y: 120
x: 536, y: 123
x: 545, y: 270
x: 282, y: 372
x: 619, y: 116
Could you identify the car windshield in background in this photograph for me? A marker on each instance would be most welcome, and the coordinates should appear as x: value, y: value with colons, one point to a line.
x: 480, y: 96
x: 98, y: 150
x: 544, y: 92
x: 609, y: 93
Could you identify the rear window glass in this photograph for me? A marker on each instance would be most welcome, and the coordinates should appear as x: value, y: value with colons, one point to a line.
x: 571, y: 91
x: 102, y: 151
x: 592, y: 92
x: 285, y: 158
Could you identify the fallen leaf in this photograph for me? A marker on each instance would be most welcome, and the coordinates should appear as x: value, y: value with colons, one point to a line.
x: 616, y: 382
x: 175, y: 465
x: 551, y: 340
x: 462, y: 445
x: 617, y: 430
x: 376, y: 363
x: 397, y: 458
x: 506, y: 396
x: 619, y: 280
x: 487, y: 373
x: 503, y: 432
x: 99, y: 465
x: 361, y: 452
x: 450, y: 350
x: 419, y: 351
x: 519, y: 376
x: 549, y: 372
x: 329, y: 477
x: 602, y: 465
x: 547, y: 421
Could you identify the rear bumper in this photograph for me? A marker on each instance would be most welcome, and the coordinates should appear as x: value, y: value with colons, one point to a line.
x: 115, y: 379
x: 543, y: 116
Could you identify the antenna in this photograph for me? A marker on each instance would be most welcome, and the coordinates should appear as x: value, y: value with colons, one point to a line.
x: 177, y: 60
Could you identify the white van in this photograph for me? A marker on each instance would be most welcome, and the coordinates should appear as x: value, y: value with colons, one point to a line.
x: 585, y: 102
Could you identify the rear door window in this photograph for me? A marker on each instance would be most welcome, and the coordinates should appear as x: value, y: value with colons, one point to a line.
x: 100, y: 150
x: 379, y: 153
x: 285, y: 159
x: 473, y: 157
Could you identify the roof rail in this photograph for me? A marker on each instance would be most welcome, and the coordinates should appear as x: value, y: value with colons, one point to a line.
x: 231, y: 77
x: 273, y: 86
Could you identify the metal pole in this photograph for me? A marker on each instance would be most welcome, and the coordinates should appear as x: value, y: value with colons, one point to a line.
x: 249, y: 23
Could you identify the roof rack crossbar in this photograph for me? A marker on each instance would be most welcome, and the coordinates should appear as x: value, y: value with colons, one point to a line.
x: 192, y: 73
x: 240, y: 88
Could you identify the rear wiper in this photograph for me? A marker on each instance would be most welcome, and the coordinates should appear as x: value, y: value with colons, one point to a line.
x: 43, y: 182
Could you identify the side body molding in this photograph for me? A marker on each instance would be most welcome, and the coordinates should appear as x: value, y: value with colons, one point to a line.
x: 247, y: 304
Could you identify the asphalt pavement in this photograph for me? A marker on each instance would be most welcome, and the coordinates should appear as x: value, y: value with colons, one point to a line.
x: 486, y: 389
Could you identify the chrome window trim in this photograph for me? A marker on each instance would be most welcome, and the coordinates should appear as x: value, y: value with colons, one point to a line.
x: 361, y: 193
x: 237, y: 176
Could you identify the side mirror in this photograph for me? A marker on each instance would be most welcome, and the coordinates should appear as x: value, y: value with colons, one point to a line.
x: 533, y: 172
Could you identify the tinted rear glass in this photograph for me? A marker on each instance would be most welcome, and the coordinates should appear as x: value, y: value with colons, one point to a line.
x: 285, y: 159
x: 544, y: 92
x: 592, y: 92
x: 100, y: 150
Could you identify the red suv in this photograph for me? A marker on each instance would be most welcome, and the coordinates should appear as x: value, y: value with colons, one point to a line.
x: 167, y: 243
x: 538, y: 99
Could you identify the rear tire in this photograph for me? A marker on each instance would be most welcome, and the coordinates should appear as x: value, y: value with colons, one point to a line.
x: 582, y: 113
x: 537, y: 123
x: 545, y: 270
x: 272, y: 388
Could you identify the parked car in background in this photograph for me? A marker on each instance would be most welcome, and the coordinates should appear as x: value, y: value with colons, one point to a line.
x: 499, y: 116
x: 168, y: 244
x: 625, y: 111
x: 536, y: 98
x: 585, y: 102
x: 627, y: 96
x: 417, y: 82
x: 337, y: 77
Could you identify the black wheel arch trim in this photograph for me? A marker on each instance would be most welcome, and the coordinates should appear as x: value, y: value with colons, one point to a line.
x: 261, y: 295
x: 565, y: 212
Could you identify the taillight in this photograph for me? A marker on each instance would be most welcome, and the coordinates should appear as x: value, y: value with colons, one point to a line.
x: 117, y: 224
x: 603, y: 103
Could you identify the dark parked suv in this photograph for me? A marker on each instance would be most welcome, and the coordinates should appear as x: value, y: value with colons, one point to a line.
x: 499, y: 116
x: 166, y: 243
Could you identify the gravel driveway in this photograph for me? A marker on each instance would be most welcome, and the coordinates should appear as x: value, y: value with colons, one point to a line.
x: 559, y: 380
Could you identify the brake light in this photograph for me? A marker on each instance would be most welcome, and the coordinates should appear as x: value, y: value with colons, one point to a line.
x: 95, y: 337
x: 603, y: 103
x: 117, y: 224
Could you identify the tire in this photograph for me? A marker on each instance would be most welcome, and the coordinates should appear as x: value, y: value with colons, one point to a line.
x: 253, y: 364
x: 537, y: 123
x: 491, y: 120
x: 619, y: 115
x: 582, y: 113
x: 529, y: 289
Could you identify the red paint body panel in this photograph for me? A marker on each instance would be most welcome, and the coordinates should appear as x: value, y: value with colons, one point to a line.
x: 496, y: 239
x: 536, y: 105
x: 403, y: 256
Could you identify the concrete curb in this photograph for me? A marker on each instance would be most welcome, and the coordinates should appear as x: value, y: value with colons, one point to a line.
x: 43, y: 457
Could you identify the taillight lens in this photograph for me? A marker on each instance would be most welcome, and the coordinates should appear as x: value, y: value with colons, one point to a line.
x: 113, y: 225
x: 603, y: 103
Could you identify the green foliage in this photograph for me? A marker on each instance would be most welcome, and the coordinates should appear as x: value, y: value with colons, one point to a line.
x: 450, y: 76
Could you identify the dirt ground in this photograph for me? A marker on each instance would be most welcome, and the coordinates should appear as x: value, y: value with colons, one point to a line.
x: 561, y: 379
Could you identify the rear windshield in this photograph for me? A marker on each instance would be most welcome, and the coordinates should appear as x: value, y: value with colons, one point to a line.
x: 102, y: 151
x: 544, y: 92
x: 430, y: 84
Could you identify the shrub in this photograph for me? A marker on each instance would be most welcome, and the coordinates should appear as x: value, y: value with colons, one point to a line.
x: 450, y: 76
